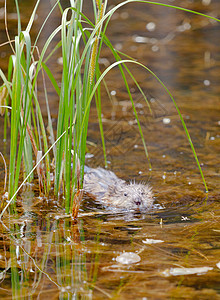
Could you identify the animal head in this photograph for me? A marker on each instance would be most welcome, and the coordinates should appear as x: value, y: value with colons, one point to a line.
x: 130, y: 196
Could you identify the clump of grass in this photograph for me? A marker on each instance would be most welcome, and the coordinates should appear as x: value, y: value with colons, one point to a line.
x: 80, y: 83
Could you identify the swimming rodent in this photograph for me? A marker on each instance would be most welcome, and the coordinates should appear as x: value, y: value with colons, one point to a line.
x: 106, y: 187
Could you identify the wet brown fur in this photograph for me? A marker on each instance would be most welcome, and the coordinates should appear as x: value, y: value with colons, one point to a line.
x: 106, y: 187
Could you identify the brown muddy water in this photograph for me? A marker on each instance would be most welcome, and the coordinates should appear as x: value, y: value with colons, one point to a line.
x: 172, y: 252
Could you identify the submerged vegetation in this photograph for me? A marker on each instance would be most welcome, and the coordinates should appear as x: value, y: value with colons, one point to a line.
x: 57, y: 167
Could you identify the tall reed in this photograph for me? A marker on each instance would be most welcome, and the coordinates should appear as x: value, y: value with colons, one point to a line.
x: 81, y: 43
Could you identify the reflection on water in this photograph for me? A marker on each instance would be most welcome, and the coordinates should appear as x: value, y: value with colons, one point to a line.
x: 49, y: 254
x: 170, y: 253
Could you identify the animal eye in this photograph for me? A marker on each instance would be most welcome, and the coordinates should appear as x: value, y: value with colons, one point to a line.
x: 125, y: 194
x: 142, y: 193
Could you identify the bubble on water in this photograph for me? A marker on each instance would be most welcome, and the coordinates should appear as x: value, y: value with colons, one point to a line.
x: 124, y: 15
x: 127, y: 258
x: 183, y: 27
x: 186, y: 271
x: 166, y: 120
x: 206, y: 82
x: 140, y: 39
x: 206, y: 2
x: 155, y: 48
x: 152, y: 241
x: 151, y: 26
x: 187, y: 25
x: 118, y: 46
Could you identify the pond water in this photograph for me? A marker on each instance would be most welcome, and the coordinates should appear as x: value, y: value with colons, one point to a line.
x: 173, y: 251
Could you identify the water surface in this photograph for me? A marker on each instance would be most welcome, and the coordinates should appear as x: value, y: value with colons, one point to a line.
x: 45, y: 254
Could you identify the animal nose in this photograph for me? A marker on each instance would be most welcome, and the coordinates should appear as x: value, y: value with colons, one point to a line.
x: 138, y: 202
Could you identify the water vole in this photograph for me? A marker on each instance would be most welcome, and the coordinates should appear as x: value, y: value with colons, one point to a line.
x: 106, y: 187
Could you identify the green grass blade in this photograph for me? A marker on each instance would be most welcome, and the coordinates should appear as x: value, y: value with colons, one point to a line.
x: 52, y: 79
x: 178, y: 111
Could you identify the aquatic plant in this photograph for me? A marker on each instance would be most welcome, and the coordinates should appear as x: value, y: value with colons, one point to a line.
x: 80, y: 83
